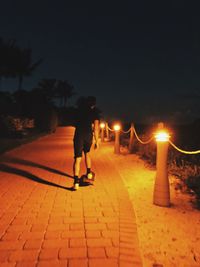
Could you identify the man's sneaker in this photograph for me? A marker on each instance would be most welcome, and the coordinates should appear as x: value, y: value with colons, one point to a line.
x: 76, y: 186
x: 76, y: 183
x: 90, y: 176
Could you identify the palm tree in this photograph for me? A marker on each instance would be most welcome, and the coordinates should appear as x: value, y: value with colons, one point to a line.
x: 7, y: 52
x: 47, y: 87
x: 64, y: 90
x: 15, y: 61
x: 6, y: 103
x: 23, y: 64
x: 1, y: 57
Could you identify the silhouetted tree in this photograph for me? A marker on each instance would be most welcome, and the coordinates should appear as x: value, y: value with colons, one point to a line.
x: 53, y: 89
x: 64, y: 90
x: 8, y: 52
x: 23, y: 64
x: 1, y: 59
x: 47, y: 88
x: 6, y: 103
x: 23, y: 102
x: 43, y: 110
x: 16, y: 62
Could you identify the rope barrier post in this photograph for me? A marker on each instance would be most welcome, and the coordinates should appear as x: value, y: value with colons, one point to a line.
x: 117, y: 138
x: 107, y: 132
x: 161, y: 195
x: 102, y: 127
x: 130, y: 146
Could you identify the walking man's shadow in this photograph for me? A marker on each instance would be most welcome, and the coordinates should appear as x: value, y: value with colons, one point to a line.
x: 34, y: 164
x: 13, y: 170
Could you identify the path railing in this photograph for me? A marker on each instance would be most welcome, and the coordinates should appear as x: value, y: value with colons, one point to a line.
x: 161, y: 195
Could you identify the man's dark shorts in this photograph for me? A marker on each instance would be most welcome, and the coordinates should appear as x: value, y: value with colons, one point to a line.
x: 82, y: 143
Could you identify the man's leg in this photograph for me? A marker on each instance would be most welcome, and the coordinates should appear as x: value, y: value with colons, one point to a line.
x: 76, y: 170
x: 76, y: 166
x: 78, y: 147
x: 88, y: 161
x: 86, y: 149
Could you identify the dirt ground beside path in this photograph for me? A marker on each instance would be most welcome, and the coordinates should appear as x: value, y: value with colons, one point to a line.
x: 168, y: 237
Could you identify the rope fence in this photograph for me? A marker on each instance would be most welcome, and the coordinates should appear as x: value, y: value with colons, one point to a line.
x: 145, y: 142
x: 125, y: 132
x: 184, y: 151
x: 112, y: 130
x: 142, y: 142
x: 161, y: 194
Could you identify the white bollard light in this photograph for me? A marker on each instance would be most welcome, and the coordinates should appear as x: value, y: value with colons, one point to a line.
x: 117, y: 138
x: 102, y: 127
x: 161, y: 196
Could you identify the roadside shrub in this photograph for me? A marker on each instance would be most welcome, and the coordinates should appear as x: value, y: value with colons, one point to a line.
x: 15, y: 126
x: 46, y: 120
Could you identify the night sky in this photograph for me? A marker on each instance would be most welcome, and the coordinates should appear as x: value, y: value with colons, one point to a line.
x: 141, y: 59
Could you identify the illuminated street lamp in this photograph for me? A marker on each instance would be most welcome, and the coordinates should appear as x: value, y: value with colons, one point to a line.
x: 117, y: 128
x: 162, y: 136
x: 161, y: 195
x: 102, y: 127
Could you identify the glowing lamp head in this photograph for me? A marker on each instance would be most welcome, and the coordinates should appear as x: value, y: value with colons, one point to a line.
x: 102, y: 125
x: 116, y: 127
x: 162, y: 136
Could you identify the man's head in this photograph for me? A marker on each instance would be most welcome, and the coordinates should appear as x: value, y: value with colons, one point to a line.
x: 91, y: 101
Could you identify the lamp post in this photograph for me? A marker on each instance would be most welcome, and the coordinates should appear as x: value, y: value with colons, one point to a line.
x: 117, y: 136
x: 161, y: 196
x: 130, y: 146
x: 102, y: 127
x: 107, y: 132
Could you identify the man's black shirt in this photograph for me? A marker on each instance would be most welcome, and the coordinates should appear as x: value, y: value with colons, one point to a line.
x: 84, y: 119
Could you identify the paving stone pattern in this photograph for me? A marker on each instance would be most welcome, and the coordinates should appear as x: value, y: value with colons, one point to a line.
x: 44, y: 223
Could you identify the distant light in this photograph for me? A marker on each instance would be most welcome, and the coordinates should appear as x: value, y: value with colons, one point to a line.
x: 102, y: 125
x: 162, y: 136
x: 116, y: 127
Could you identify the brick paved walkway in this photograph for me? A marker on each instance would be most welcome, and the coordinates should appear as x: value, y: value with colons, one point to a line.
x: 44, y: 223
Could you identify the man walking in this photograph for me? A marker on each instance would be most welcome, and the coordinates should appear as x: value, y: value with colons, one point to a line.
x: 87, y: 128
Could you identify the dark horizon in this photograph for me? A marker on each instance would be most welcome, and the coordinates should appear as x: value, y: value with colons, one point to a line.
x: 140, y: 61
